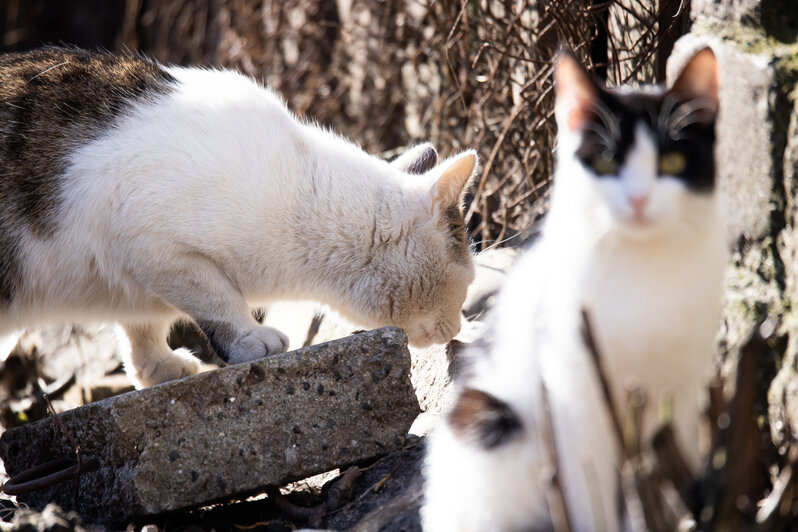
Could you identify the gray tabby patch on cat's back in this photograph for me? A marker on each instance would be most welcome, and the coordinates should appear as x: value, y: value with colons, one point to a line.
x: 52, y: 101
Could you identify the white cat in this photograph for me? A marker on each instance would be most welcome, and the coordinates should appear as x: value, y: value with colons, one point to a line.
x: 138, y: 193
x: 633, y: 236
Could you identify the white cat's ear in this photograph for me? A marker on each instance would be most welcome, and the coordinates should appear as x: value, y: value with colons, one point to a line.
x: 699, y: 82
x: 417, y: 160
x: 575, y: 92
x: 454, y: 175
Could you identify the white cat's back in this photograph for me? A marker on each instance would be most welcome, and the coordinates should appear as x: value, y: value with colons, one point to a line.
x: 171, y: 176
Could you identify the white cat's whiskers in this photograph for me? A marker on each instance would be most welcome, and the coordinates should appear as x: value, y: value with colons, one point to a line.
x: 605, y: 139
x: 608, y: 119
x: 685, y: 115
x: 664, y: 116
x: 496, y: 243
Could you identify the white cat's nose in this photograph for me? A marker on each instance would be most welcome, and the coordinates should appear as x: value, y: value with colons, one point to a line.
x: 638, y: 203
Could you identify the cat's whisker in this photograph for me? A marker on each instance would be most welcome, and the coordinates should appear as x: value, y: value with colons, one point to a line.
x: 687, y: 114
x: 606, y: 140
x: 496, y: 243
x: 608, y: 119
x: 664, y: 117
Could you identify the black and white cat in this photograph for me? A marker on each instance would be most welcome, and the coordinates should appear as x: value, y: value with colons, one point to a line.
x: 633, y: 236
x: 136, y: 193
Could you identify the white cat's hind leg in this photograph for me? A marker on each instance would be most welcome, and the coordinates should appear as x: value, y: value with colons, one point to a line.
x: 150, y: 360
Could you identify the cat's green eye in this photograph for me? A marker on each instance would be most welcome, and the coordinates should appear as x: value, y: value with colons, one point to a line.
x: 672, y: 163
x: 604, y: 164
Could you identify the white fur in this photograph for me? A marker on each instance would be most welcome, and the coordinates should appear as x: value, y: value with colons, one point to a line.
x: 652, y: 284
x: 213, y: 198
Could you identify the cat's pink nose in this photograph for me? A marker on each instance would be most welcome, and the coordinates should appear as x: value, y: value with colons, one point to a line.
x: 638, y: 203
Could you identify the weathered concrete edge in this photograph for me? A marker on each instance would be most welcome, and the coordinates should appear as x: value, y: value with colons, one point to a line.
x: 123, y: 457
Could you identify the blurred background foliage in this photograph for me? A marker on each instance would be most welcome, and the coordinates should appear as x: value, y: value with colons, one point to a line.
x: 390, y: 73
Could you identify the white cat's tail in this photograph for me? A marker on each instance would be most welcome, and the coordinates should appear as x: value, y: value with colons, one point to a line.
x: 484, y: 470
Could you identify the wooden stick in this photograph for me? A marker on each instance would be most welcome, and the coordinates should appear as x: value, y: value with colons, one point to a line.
x: 558, y: 509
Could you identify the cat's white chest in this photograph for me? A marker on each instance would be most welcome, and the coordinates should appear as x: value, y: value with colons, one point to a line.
x: 654, y: 311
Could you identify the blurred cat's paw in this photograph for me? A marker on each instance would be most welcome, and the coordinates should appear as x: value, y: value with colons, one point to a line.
x: 178, y: 364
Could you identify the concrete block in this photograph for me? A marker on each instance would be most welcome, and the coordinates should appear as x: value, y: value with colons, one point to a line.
x: 230, y: 432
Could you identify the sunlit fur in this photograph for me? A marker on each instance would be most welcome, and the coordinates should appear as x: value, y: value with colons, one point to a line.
x: 652, y: 284
x: 213, y: 197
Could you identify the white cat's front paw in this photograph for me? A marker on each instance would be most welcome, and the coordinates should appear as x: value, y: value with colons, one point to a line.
x: 257, y: 343
x: 178, y: 364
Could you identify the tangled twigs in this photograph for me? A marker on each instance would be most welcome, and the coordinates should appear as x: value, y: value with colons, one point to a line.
x: 673, y: 465
x: 57, y: 421
x: 736, y: 492
x: 554, y: 494
x: 339, y: 494
x: 313, y: 516
x: 595, y: 356
x: 641, y: 492
x: 785, y: 491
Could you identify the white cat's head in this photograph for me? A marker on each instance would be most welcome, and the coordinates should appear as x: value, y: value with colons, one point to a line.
x: 422, y: 264
x: 641, y: 161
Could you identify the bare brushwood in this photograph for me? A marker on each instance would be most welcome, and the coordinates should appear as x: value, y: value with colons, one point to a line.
x: 558, y: 508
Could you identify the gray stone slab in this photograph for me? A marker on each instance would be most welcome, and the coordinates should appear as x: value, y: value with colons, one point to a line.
x: 744, y: 152
x: 229, y: 432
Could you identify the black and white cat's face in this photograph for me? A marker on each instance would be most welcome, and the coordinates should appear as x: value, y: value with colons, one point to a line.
x: 647, y: 156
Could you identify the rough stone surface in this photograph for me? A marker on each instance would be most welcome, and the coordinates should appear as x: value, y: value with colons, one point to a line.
x: 434, y: 368
x: 757, y: 155
x: 783, y: 393
x: 745, y: 166
x: 738, y: 11
x: 231, y: 431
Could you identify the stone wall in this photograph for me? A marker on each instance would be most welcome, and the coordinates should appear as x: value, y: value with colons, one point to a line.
x: 758, y: 174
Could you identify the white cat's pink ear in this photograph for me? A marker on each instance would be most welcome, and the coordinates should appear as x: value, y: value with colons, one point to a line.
x: 575, y: 92
x: 699, y: 81
x: 454, y: 175
x: 417, y: 160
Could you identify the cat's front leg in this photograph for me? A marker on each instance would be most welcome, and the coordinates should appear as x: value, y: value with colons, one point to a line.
x: 217, y: 305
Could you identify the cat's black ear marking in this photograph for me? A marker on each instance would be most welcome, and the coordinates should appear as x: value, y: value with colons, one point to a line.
x: 575, y: 92
x: 417, y: 160
x: 698, y: 82
x: 484, y: 420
